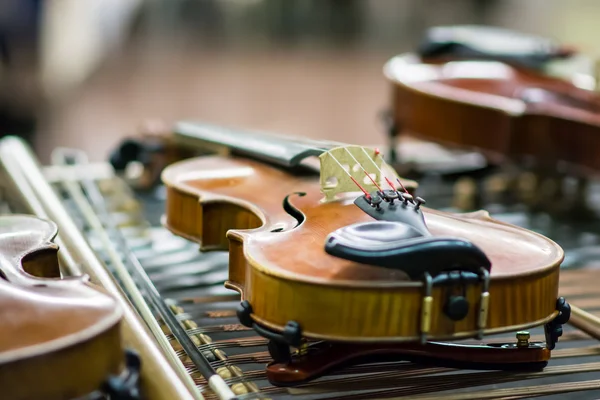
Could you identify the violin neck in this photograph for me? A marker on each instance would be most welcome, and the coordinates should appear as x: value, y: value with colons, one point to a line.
x: 287, y: 152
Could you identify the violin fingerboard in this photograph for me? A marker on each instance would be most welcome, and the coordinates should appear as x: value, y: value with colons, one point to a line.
x: 287, y: 152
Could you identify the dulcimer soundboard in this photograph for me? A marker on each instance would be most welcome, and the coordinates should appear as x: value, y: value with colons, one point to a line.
x: 104, y: 224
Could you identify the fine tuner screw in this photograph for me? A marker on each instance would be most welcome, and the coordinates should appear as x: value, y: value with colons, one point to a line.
x: 390, y: 195
x: 523, y: 339
x: 419, y: 201
x: 376, y: 201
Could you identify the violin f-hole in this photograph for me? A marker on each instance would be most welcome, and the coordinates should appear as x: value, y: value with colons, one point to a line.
x: 293, y: 211
x: 42, y: 263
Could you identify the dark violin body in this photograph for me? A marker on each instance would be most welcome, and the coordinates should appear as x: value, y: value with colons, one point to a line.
x: 60, y: 338
x: 504, y: 110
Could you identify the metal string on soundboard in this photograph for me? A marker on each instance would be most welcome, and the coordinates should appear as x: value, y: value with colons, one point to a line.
x: 384, y: 380
x: 216, y: 383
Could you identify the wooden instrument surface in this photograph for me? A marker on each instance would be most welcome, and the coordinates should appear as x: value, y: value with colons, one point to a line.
x: 496, y: 85
x: 287, y: 274
x: 260, y: 189
x: 194, y: 280
x: 52, y: 328
x: 495, y: 107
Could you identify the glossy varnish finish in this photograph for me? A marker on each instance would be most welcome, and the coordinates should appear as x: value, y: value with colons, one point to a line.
x: 495, y: 107
x: 287, y: 275
x: 60, y: 339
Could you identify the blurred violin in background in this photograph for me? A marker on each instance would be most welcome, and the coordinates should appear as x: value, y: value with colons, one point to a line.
x: 491, y: 90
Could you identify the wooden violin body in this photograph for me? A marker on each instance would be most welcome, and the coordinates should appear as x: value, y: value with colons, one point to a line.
x: 275, y: 226
x: 60, y: 338
x: 497, y: 108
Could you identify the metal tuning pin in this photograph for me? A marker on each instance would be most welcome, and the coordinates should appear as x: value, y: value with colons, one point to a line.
x: 407, y: 197
x: 419, y: 201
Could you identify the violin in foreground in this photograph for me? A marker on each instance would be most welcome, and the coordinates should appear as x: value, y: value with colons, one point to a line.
x: 60, y: 337
x: 352, y: 265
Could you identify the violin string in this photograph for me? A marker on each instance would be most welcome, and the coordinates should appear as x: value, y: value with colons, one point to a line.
x: 365, y: 171
x: 361, y: 166
x: 367, y: 195
x: 401, y: 185
x: 377, y: 153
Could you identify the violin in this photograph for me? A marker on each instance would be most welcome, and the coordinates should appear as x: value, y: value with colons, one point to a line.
x: 496, y: 108
x: 502, y: 104
x: 355, y: 259
x: 60, y: 337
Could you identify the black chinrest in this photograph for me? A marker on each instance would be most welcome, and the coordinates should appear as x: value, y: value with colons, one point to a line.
x: 398, y: 245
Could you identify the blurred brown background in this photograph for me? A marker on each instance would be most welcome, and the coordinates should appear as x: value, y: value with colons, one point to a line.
x: 86, y: 73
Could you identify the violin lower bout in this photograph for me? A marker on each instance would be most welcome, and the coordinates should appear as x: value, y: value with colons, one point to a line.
x: 386, y: 313
x: 51, y: 376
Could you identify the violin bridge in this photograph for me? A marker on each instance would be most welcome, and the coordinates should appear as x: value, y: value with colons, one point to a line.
x: 350, y: 169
